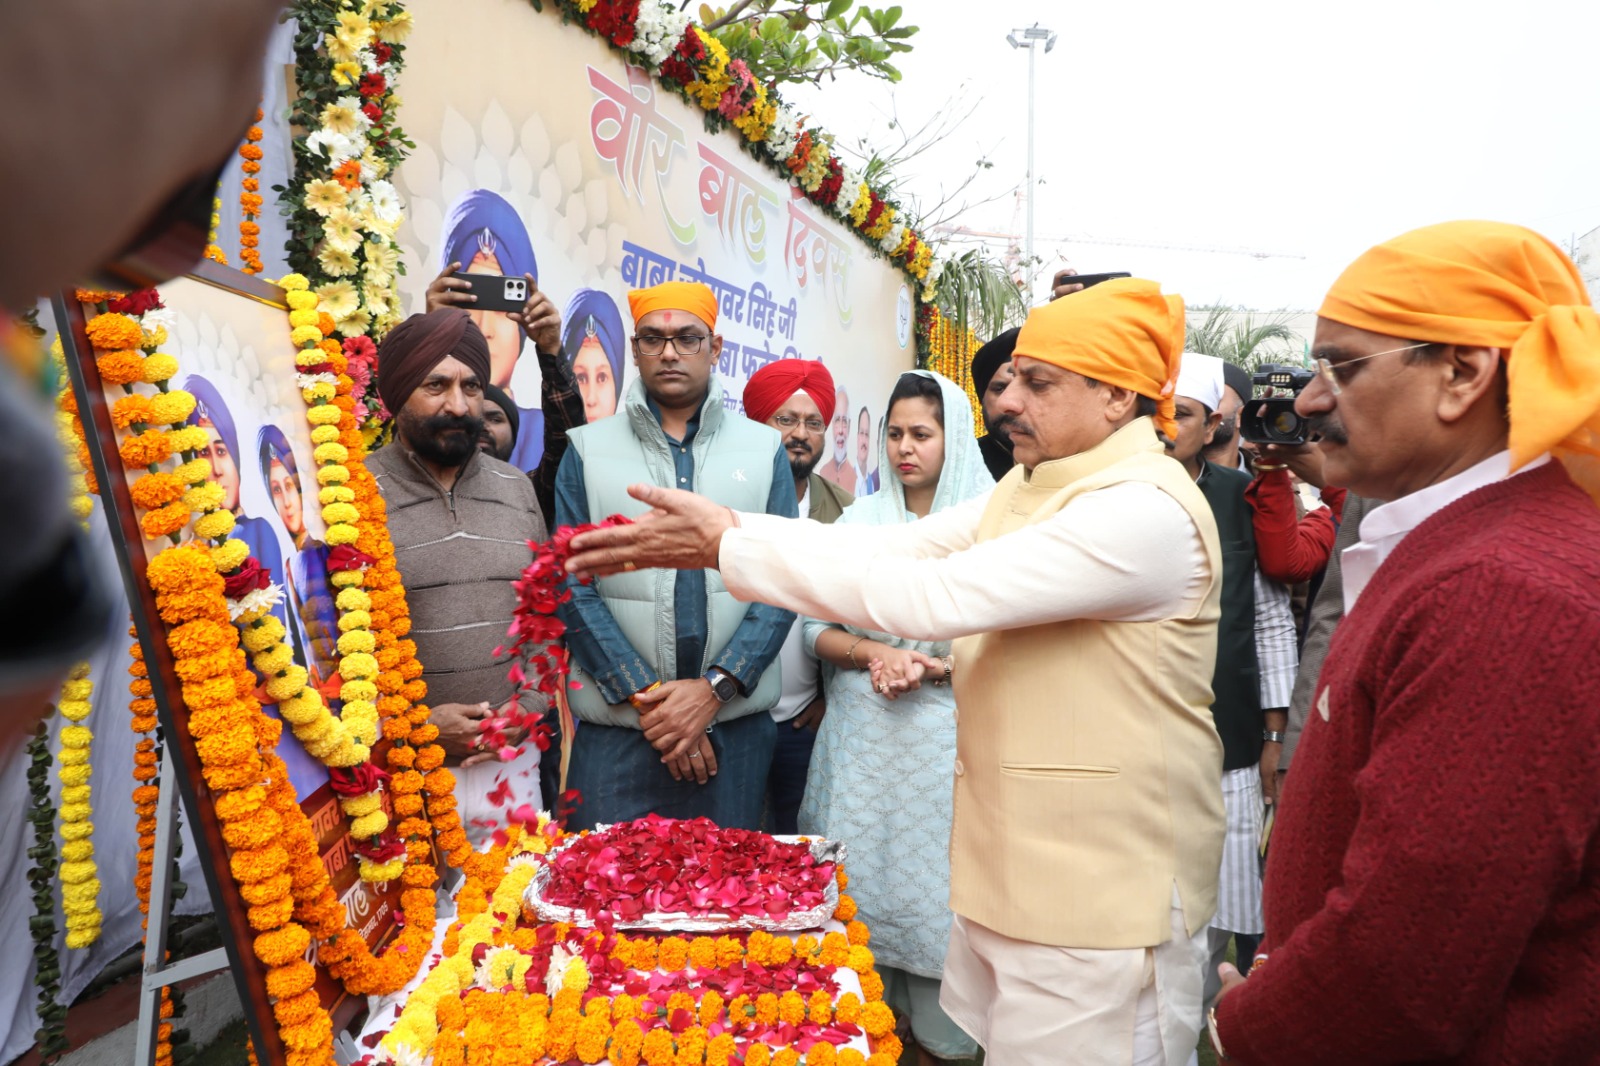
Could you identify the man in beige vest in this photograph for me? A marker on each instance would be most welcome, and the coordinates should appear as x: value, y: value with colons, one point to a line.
x: 1085, y: 588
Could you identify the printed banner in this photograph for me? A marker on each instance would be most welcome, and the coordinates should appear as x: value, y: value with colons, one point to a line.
x: 539, y: 150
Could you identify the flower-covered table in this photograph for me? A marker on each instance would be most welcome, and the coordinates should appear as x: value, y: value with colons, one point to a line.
x: 503, y: 986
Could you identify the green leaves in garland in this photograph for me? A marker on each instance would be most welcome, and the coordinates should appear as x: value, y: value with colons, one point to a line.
x: 52, y: 1035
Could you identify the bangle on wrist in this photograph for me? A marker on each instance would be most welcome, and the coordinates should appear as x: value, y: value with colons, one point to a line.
x: 851, y: 654
x: 1272, y: 736
x: 1271, y: 466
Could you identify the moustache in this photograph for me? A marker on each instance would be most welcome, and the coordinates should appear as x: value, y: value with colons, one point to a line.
x: 1327, y: 428
x: 799, y: 447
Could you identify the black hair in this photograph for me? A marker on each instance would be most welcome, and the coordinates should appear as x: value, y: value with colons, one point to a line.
x: 919, y: 387
x: 1143, y: 406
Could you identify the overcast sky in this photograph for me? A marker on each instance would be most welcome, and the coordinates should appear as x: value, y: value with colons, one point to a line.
x: 1314, y: 129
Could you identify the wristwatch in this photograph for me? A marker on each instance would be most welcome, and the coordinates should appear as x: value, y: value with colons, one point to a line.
x: 723, y: 684
x: 1272, y: 736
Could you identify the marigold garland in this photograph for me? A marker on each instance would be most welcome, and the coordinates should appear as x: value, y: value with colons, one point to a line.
x: 250, y: 199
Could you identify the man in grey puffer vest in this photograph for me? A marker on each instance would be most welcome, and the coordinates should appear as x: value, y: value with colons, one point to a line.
x: 675, y: 676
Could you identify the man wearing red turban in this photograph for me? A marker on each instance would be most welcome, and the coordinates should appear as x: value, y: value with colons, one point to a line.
x: 795, y: 397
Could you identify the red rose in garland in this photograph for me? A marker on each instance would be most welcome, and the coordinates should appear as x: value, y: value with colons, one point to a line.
x: 136, y: 303
x: 679, y: 67
x: 614, y: 19
x: 250, y: 577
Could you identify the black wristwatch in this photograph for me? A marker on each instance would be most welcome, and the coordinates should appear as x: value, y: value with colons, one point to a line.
x: 1272, y: 736
x: 724, y: 686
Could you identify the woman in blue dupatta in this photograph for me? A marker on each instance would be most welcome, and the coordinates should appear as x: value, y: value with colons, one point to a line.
x: 881, y: 772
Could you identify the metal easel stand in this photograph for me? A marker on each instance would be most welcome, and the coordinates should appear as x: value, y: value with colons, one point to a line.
x: 156, y: 975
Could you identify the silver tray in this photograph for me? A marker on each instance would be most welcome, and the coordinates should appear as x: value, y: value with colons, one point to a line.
x: 677, y: 922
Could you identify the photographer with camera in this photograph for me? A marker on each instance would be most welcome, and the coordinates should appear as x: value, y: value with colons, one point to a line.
x: 1293, y: 542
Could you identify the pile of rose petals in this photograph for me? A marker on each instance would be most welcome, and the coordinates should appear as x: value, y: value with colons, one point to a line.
x: 688, y: 868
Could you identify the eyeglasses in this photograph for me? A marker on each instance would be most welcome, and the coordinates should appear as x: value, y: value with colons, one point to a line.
x: 1330, y: 372
x: 813, y: 425
x: 653, y: 344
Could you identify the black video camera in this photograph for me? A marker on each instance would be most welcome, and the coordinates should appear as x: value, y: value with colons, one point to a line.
x: 1272, y: 418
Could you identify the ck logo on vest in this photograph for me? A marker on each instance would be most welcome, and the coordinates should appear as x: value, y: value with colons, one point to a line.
x: 738, y: 475
x: 1322, y: 705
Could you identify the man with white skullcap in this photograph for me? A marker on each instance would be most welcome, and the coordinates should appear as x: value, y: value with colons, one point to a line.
x: 1256, y: 659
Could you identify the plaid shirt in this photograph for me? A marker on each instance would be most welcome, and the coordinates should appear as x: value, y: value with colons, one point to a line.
x: 562, y: 404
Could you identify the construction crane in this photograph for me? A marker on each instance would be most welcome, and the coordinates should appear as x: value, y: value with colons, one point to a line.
x: 1012, y: 257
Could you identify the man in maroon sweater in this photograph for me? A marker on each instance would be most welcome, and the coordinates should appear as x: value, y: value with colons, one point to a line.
x: 1433, y: 890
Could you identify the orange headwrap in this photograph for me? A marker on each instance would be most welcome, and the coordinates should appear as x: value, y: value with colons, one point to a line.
x: 694, y: 297
x: 1495, y: 285
x: 1122, y: 332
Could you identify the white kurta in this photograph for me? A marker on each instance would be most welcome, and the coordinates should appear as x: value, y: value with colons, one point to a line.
x: 1128, y: 553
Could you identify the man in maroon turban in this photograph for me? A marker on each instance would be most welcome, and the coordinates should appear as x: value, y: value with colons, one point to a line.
x: 461, y: 521
x: 796, y: 398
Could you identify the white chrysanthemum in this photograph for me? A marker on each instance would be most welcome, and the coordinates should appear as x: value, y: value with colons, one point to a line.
x: 494, y: 972
x: 160, y: 318
x: 337, y: 147
x: 386, y: 205
x: 849, y: 193
x: 259, y: 600
x: 406, y: 1055
x: 560, y: 960
x: 891, y: 240
x: 784, y: 135
x: 306, y: 381
x: 657, y: 30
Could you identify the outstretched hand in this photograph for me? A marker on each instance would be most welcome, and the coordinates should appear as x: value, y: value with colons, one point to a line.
x: 682, y: 532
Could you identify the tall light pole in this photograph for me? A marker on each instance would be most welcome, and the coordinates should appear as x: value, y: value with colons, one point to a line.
x: 1030, y: 39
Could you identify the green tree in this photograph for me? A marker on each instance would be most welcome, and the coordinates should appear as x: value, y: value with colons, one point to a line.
x: 1236, y: 335
x: 805, y: 41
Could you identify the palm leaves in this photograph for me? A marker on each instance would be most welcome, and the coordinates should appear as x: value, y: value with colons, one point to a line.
x: 1248, y: 338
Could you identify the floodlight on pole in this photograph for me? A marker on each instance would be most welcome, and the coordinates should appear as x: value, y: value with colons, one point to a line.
x: 1030, y: 38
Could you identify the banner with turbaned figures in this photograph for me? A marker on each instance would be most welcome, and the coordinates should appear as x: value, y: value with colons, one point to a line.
x: 541, y: 151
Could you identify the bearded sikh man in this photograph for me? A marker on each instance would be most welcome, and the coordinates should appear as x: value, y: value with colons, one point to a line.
x: 1085, y: 587
x: 675, y: 678
x: 795, y: 397
x: 1433, y: 888
x: 461, y: 521
x: 991, y: 373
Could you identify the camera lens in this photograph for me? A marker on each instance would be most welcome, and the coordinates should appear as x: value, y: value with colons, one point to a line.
x: 1287, y: 425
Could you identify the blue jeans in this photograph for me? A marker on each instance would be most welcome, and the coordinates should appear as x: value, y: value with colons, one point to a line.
x: 786, y: 781
x: 621, y: 777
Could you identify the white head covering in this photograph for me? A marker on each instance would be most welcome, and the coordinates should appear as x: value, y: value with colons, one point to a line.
x: 1200, y: 378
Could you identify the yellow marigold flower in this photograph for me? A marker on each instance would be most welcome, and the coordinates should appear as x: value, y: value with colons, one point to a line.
x: 318, y: 393
x: 333, y: 475
x: 301, y: 299
x: 73, y: 757
x: 76, y: 736
x: 230, y: 556
x: 354, y: 600
x: 216, y: 525
x: 273, y: 659
x: 193, y: 472
x: 343, y: 579
x: 370, y: 825
x: 74, y: 775
x: 171, y: 408
x: 293, y: 282
x: 75, y: 710
x: 335, y: 493
x: 331, y: 453
x: 302, y: 708
x: 290, y: 684
x: 75, y: 873
x: 298, y: 319
x: 77, y: 851
x: 361, y: 667
x: 202, y: 498
x: 323, y: 434
x: 303, y: 335
x: 264, y: 634
x: 190, y: 439
x: 75, y: 795
x: 324, y: 415
x: 343, y: 534
x: 860, y: 959
x: 337, y: 513
x: 356, y: 641
x: 351, y: 620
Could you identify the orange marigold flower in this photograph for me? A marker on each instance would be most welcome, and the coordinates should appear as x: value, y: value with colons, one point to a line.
x: 164, y: 521
x: 846, y: 909
x: 129, y: 410
x: 120, y: 366
x: 156, y: 490
x: 791, y: 1008
x: 766, y: 1009
x: 857, y: 933
x: 703, y: 953
x: 673, y: 954
x: 112, y: 332
x: 872, y: 986
x: 149, y: 448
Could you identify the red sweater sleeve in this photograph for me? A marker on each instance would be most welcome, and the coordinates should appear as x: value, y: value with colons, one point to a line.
x: 1476, y: 810
x: 1289, y: 549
